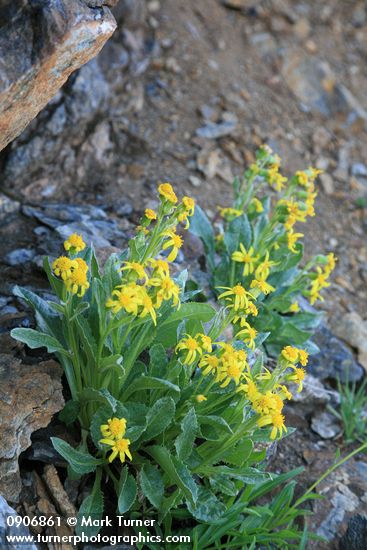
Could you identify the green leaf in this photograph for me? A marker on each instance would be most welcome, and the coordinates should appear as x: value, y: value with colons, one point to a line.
x: 177, y: 472
x: 70, y: 412
x: 185, y: 441
x: 167, y: 334
x: 80, y: 461
x: 160, y: 415
x: 208, y: 508
x: 149, y: 383
x: 91, y: 509
x: 127, y: 491
x: 201, y: 226
x: 35, y: 339
x: 48, y: 321
x: 239, y: 231
x: 158, y: 361
x: 151, y: 483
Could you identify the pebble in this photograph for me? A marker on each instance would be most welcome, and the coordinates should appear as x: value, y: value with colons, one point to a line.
x: 327, y: 183
x: 213, y: 130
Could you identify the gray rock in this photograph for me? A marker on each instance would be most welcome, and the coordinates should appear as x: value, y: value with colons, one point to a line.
x: 215, y: 130
x: 343, y: 501
x: 334, y: 360
x: 359, y: 169
x: 6, y: 531
x: 355, y: 537
x: 325, y: 425
x: 313, y: 395
x: 29, y: 396
x: 41, y: 44
x: 19, y: 256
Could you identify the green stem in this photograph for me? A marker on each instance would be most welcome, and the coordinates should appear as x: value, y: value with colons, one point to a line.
x: 327, y: 473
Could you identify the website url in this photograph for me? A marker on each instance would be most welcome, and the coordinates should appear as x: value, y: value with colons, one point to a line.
x: 112, y: 540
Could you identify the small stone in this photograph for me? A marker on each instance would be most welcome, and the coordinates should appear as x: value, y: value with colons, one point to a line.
x: 327, y: 183
x: 359, y: 169
x: 325, y: 425
x: 216, y: 130
x: 195, y: 181
x: 19, y: 256
x: 302, y: 28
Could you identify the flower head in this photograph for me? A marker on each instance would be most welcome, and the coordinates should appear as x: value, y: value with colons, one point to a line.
x: 150, y: 214
x: 237, y: 295
x: 63, y: 267
x: 276, y: 419
x: 193, y: 348
x: 114, y: 429
x: 166, y: 191
x: 77, y: 282
x: 263, y: 286
x: 119, y: 447
x: 74, y: 244
x: 174, y: 241
x: 136, y: 269
x: 246, y: 257
x: 200, y: 398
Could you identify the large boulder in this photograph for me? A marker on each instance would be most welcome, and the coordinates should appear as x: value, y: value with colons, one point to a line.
x: 41, y: 43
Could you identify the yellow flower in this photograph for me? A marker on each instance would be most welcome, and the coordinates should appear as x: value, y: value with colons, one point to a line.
x: 166, y: 289
x: 174, y: 241
x: 302, y: 178
x: 126, y: 297
x: 303, y: 357
x: 232, y: 365
x: 330, y: 265
x: 250, y: 389
x: 246, y: 257
x: 150, y: 214
x: 298, y: 377
x: 277, y: 420
x: 248, y: 335
x: 63, y: 266
x: 257, y: 204
x: 229, y: 213
x: 136, y: 268
x: 292, y: 240
x: 77, y: 283
x: 74, y: 244
x: 285, y: 393
x: 294, y: 307
x: 114, y: 429
x: 118, y: 447
x: 160, y: 267
x: 290, y: 354
x: 81, y: 264
x: 189, y: 205
x: 205, y: 341
x: 147, y: 305
x: 237, y: 295
x: 263, y: 269
x: 265, y: 403
x: 209, y: 363
x: 200, y: 398
x: 166, y: 191
x: 275, y: 178
x: 263, y: 286
x: 193, y: 348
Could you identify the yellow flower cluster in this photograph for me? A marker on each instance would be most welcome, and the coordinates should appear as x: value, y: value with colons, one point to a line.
x: 319, y: 280
x: 143, y: 289
x: 113, y: 435
x: 265, y: 391
x: 73, y: 271
x: 146, y: 282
